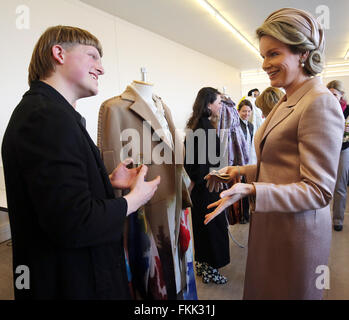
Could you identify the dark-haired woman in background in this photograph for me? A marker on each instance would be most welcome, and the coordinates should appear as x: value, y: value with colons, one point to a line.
x: 211, y: 241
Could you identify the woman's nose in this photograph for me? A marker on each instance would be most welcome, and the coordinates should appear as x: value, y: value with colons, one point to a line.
x: 266, y: 64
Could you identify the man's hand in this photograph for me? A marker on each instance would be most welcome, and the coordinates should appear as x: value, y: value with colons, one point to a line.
x: 141, y: 191
x: 229, y: 197
x: 122, y: 177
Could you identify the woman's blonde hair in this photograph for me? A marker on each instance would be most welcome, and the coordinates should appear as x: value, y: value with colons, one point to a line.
x: 268, y: 99
x: 301, y: 31
x: 339, y: 86
x: 336, y: 84
x: 42, y: 63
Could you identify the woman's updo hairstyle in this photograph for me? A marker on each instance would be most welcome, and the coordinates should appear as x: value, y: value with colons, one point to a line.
x: 301, y: 31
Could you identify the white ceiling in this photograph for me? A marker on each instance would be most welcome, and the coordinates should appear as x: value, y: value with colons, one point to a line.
x: 186, y: 22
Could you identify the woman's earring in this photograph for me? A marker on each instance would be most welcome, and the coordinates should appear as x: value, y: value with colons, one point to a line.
x: 302, y: 63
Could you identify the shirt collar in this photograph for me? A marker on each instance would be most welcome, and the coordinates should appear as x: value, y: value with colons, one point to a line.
x: 244, y: 121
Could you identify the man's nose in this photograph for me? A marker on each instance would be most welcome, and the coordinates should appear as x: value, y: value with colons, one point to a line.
x: 100, y: 69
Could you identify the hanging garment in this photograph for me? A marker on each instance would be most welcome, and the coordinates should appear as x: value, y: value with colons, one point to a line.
x: 247, y: 128
x: 143, y: 259
x: 120, y: 118
x: 256, y: 119
x: 232, y: 136
x: 189, y: 293
x: 230, y: 133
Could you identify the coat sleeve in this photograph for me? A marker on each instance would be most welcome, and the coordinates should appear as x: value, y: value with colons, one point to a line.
x: 250, y: 172
x: 320, y: 125
x: 67, y: 197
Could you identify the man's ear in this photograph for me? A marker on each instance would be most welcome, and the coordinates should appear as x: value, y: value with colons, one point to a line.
x: 58, y: 53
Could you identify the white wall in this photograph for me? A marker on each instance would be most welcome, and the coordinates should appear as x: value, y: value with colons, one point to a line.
x: 261, y: 86
x: 176, y: 71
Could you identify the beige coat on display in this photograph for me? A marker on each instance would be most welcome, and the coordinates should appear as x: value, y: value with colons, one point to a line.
x: 298, y: 148
x: 163, y: 211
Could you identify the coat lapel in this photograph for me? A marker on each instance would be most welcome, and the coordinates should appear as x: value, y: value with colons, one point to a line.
x: 285, y: 107
x: 141, y: 108
x: 282, y: 113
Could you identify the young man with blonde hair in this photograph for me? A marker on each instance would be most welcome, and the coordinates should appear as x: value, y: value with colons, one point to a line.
x: 66, y: 224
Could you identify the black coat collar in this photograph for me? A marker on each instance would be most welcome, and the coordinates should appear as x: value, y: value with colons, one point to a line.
x: 39, y: 87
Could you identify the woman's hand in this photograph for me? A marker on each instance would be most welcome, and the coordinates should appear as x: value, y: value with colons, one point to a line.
x: 122, y: 177
x: 215, y: 179
x: 230, y: 196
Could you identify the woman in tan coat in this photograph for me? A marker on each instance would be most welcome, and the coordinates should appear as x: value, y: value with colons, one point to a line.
x: 293, y: 181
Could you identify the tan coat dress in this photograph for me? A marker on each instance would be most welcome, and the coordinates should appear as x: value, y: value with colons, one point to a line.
x: 125, y: 114
x: 298, y: 149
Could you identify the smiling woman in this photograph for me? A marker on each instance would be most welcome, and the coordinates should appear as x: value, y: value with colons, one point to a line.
x: 281, y: 64
x: 296, y: 31
x: 293, y: 181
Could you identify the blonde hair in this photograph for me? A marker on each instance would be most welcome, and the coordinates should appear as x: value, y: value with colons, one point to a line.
x: 336, y: 84
x: 268, y: 99
x: 301, y: 31
x: 42, y: 63
x: 339, y: 86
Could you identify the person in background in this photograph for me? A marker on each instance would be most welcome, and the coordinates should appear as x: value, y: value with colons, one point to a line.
x: 211, y: 242
x: 66, y: 224
x: 245, y: 109
x: 268, y: 99
x: 298, y: 149
x: 256, y: 118
x: 340, y: 190
x: 343, y: 103
x: 254, y: 93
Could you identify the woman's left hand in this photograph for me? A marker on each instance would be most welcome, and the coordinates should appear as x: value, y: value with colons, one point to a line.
x: 230, y: 196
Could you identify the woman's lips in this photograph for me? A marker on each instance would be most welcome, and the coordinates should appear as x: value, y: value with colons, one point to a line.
x: 272, y: 74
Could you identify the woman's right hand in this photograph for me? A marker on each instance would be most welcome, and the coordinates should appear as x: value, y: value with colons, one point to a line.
x: 215, y: 179
x: 229, y: 197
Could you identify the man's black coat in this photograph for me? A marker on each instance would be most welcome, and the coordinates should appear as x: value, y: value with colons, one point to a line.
x: 66, y: 224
